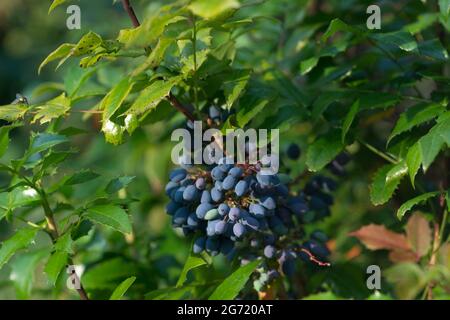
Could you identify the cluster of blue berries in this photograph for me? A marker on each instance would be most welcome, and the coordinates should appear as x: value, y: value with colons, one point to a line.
x: 229, y: 204
x: 236, y: 210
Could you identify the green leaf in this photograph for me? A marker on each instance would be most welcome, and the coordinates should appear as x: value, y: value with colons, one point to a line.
x: 55, y: 4
x: 12, y: 112
x: 89, y: 61
x: 190, y: 64
x: 413, y: 161
x: 113, y: 132
x: 408, y: 279
x: 170, y: 293
x: 131, y: 123
x: 122, y: 288
x: 117, y: 184
x: 211, y: 8
x: 4, y: 139
x: 80, y: 177
x: 308, y: 64
x: 114, y: 99
x: 75, y: 77
x: 44, y: 141
x: 23, y: 270
x: 52, y: 109
x: 87, y: 44
x: 111, y: 216
x: 397, y: 172
x: 20, y: 196
x: 402, y: 39
x: 408, y: 205
x: 423, y: 21
x: 61, y: 52
x: 156, y: 56
x: 323, y: 150
x: 382, y: 190
x: 337, y: 25
x: 20, y: 240
x: 234, y: 85
x: 64, y: 243
x: 192, y: 262
x: 53, y: 158
x: 151, y: 96
x: 349, y: 120
x: 150, y: 30
x: 106, y: 274
x: 432, y: 143
x: 377, y: 100
x: 433, y: 48
x: 232, y: 285
x: 327, y: 295
x: 447, y: 199
x: 329, y: 51
x: 255, y: 99
x: 414, y: 116
x: 377, y: 295
x: 444, y: 7
x: 55, y: 264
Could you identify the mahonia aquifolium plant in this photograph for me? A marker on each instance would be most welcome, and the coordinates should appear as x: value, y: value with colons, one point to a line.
x: 235, y: 210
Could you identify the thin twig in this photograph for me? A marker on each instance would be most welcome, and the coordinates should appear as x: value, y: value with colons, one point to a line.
x: 129, y: 9
x: 182, y: 108
x: 54, y: 234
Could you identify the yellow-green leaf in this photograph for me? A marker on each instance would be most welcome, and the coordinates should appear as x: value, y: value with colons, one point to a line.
x: 211, y: 8
x: 192, y: 262
x: 20, y: 240
x: 61, y: 52
x: 13, y: 112
x: 231, y: 286
x: 122, y: 288
x: 114, y: 99
x: 151, y: 96
x: 55, y: 4
x: 408, y: 205
x: 52, y: 109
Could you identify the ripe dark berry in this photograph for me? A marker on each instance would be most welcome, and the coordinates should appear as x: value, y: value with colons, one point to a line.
x: 293, y: 151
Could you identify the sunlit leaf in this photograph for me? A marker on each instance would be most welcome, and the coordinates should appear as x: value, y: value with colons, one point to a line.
x: 211, y: 8
x: 110, y: 216
x: 234, y: 283
x: 408, y: 205
x: 52, y: 109
x: 20, y: 240
x: 122, y: 288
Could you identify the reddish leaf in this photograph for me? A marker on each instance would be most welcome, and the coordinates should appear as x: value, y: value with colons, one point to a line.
x: 418, y: 233
x: 402, y: 256
x: 377, y: 237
